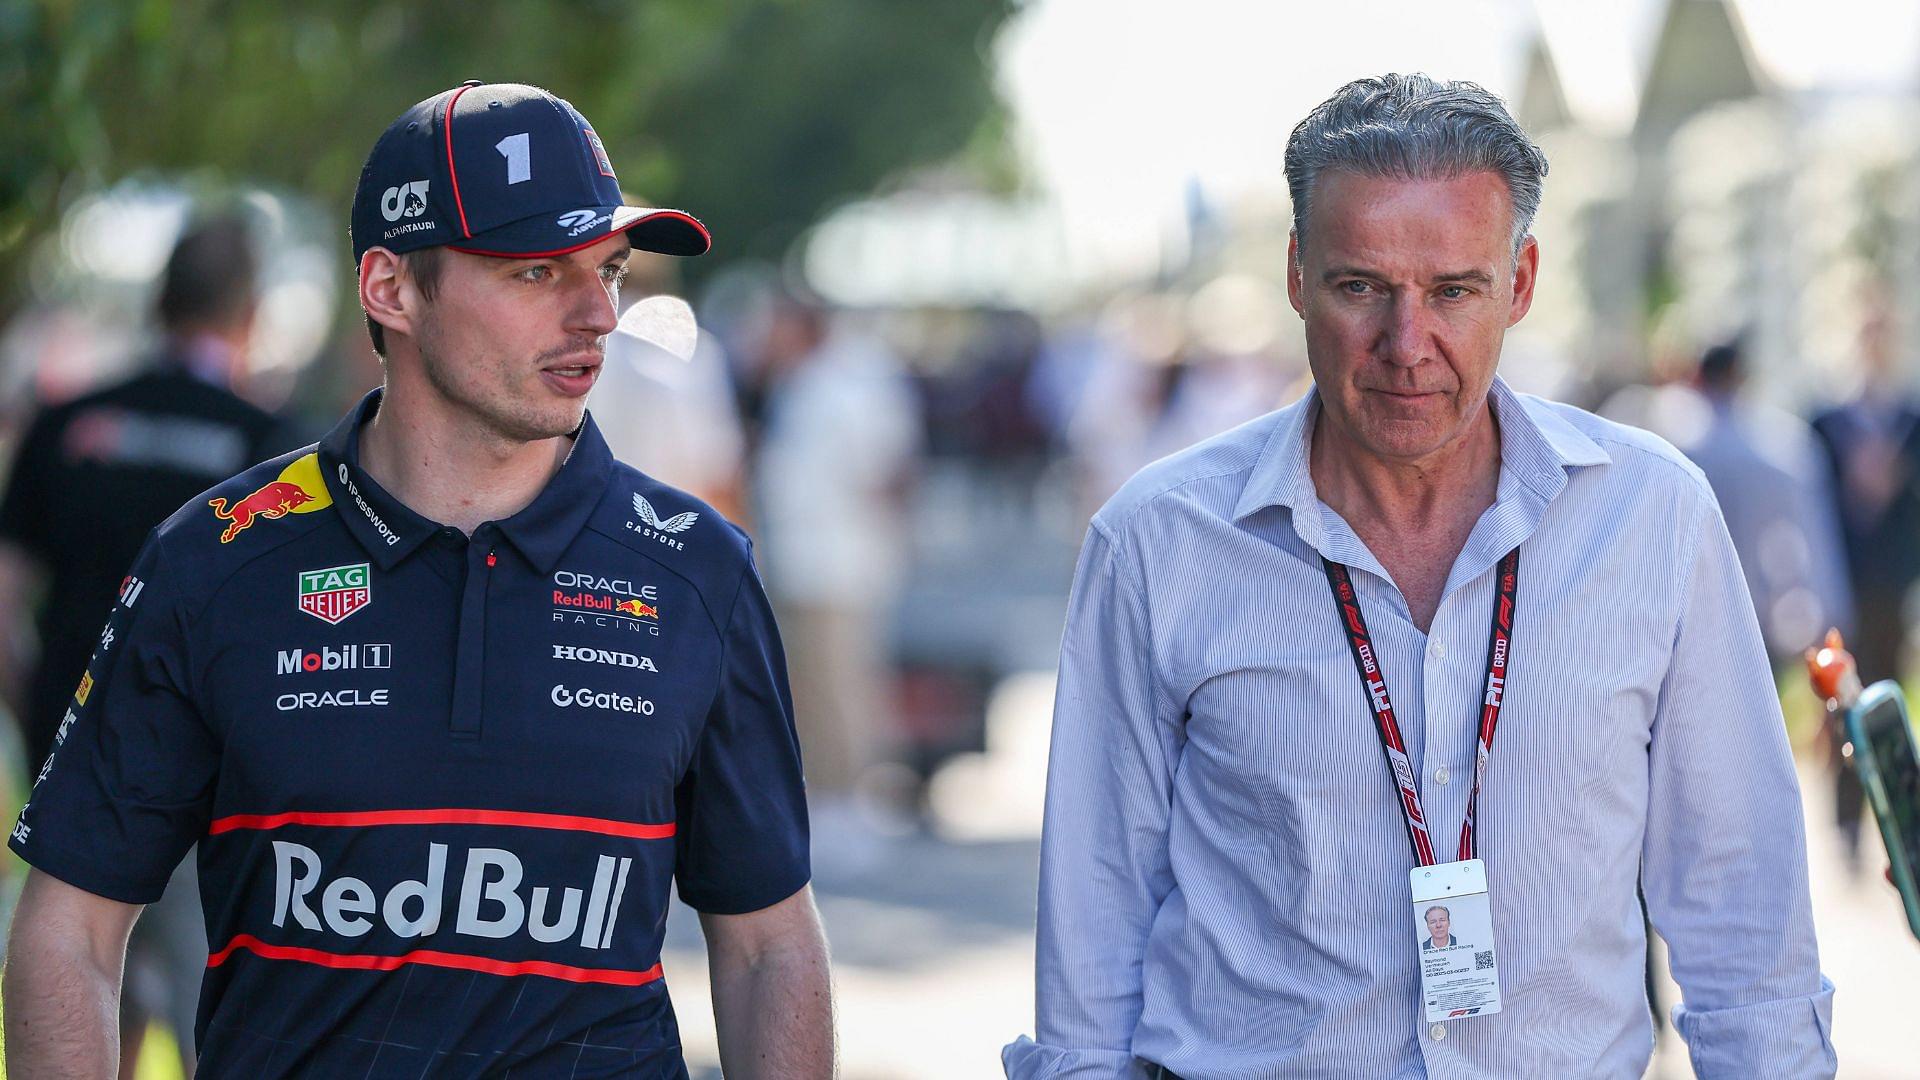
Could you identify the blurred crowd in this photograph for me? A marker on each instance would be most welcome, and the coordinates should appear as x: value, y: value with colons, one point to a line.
x: 916, y: 483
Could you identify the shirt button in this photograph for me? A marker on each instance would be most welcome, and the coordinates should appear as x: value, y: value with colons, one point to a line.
x: 1440, y: 650
x: 1441, y: 775
x: 1438, y: 1033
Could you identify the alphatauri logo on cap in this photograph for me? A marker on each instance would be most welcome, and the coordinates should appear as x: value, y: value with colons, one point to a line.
x: 407, y: 200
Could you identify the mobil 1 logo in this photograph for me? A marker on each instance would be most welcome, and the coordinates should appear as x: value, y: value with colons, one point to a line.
x: 333, y: 658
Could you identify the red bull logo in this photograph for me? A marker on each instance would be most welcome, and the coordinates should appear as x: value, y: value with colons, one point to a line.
x: 638, y: 609
x: 298, y: 490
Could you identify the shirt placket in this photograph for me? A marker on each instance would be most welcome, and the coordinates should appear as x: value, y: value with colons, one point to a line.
x: 470, y: 655
x: 1448, y: 728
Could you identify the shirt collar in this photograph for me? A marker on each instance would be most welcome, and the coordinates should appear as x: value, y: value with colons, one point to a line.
x: 390, y: 531
x: 1537, y: 448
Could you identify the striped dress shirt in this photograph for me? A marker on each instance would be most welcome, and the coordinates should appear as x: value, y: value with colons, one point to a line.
x: 1223, y: 881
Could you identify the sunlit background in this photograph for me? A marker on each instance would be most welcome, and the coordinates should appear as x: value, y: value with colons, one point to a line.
x: 1046, y: 241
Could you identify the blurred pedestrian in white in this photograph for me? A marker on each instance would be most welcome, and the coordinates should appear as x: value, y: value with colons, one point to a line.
x: 841, y: 436
x: 674, y: 418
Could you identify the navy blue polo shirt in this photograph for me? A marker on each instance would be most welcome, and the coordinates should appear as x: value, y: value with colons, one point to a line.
x: 440, y: 785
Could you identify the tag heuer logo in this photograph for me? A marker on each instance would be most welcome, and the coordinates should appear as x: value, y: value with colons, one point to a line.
x: 332, y: 594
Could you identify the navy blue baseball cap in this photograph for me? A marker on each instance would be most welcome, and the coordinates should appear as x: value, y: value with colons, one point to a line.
x: 502, y: 169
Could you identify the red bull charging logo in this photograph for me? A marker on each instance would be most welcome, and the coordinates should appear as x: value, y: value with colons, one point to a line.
x: 298, y: 490
x: 638, y: 609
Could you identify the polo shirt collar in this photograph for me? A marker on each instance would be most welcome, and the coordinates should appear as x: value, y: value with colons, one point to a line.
x: 1538, y: 449
x: 390, y: 531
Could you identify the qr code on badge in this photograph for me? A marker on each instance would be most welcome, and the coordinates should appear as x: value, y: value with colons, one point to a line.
x: 1483, y: 961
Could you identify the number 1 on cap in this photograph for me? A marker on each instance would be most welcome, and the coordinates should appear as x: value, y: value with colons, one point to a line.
x: 519, y: 158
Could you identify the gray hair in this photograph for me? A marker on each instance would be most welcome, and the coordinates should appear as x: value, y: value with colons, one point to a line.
x: 1414, y: 127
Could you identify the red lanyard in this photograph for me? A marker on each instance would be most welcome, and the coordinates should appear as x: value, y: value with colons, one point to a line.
x: 1367, y: 663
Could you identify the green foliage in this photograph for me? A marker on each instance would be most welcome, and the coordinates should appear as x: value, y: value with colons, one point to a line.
x: 755, y: 116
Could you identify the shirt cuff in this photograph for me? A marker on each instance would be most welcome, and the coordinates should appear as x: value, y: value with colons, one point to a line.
x: 1025, y: 1059
x: 1790, y: 1037
x: 86, y: 875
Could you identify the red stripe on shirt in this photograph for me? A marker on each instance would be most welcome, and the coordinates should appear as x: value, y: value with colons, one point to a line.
x: 433, y: 958
x: 357, y: 818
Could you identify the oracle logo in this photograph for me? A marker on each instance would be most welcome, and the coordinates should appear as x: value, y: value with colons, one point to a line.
x: 490, y: 901
x: 569, y: 579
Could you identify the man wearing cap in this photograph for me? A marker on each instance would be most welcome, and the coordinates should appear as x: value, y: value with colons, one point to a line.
x: 450, y: 700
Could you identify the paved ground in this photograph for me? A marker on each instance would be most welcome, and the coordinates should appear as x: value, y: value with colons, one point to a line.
x: 933, y: 950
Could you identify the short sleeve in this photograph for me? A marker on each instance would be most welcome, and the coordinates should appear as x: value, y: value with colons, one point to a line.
x: 24, y: 509
x: 127, y: 789
x: 741, y: 829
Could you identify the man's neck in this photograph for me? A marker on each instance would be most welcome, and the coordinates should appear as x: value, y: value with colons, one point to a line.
x: 1414, y: 515
x: 449, y: 469
x: 1406, y: 496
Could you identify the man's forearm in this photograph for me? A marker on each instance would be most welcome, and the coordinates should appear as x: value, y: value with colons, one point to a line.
x: 774, y: 1013
x: 62, y: 1012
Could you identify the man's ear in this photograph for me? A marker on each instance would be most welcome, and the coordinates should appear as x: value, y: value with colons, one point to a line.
x: 1295, y: 286
x: 1526, y: 269
x: 387, y: 292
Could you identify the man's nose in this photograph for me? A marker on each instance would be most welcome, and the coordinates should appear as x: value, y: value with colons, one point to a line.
x: 593, y: 308
x: 1407, y: 337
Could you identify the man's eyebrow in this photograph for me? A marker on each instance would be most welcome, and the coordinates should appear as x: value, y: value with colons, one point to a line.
x: 1334, y: 273
x: 1470, y: 277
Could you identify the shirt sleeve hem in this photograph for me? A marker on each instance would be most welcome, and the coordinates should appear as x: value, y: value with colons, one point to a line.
x: 88, y: 877
x: 1787, y: 1037
x: 747, y: 901
x: 1025, y: 1059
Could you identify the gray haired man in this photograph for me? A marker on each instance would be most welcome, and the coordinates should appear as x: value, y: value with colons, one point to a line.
x: 1289, y: 650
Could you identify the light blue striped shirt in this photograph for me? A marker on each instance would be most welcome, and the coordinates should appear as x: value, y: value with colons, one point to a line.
x: 1223, y: 879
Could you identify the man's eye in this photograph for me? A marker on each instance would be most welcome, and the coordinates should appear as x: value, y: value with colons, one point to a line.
x: 616, y: 275
x: 1454, y: 292
x: 1357, y: 288
x: 535, y: 273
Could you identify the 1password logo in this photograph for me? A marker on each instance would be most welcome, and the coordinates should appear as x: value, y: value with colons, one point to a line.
x: 373, y: 519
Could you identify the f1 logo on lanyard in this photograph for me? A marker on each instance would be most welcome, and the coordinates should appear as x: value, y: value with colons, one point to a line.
x: 1453, y: 915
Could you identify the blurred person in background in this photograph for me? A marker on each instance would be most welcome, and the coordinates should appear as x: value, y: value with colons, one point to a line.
x: 674, y: 418
x: 91, y: 478
x: 1769, y: 473
x: 1873, y: 450
x: 1224, y: 872
x: 1130, y: 380
x: 839, y: 442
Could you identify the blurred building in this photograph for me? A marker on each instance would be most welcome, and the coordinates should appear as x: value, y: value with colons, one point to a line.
x: 1731, y: 203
